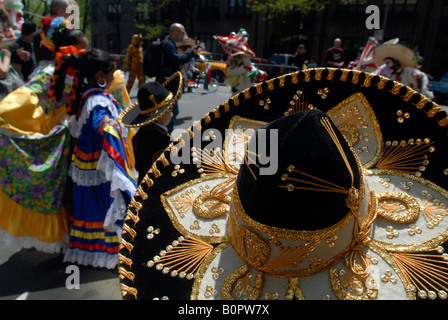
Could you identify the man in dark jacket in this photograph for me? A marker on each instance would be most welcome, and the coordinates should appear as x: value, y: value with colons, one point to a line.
x: 171, y: 60
x: 22, y: 58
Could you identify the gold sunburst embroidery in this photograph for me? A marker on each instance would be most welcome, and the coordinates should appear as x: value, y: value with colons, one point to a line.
x: 410, y: 157
x: 433, y: 210
x: 298, y: 104
x: 422, y: 271
x: 211, y: 162
x: 183, y: 258
x: 183, y: 202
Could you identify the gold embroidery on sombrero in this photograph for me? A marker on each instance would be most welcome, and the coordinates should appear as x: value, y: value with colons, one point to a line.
x: 326, y: 123
x: 433, y: 212
x: 292, y: 256
x: 152, y: 232
x: 357, y: 283
x: 351, y: 122
x: 211, y: 162
x: 209, y: 204
x: 203, y: 199
x: 214, y: 203
x: 256, y: 253
x: 140, y: 193
x: 254, y: 248
x: 125, y: 260
x: 124, y: 274
x: 241, y: 130
x: 402, y: 117
x: 421, y: 271
x: 265, y: 104
x: 356, y: 260
x: 320, y: 185
x: 398, y: 207
x: 348, y: 286
x: 130, y: 216
x: 293, y: 290
x: 407, y: 157
x: 357, y: 122
x: 183, y: 258
x: 183, y: 202
x: 323, y: 93
x: 298, y: 104
x: 125, y: 290
x: 130, y: 231
x: 126, y: 245
x: 177, y: 171
x: 242, y: 284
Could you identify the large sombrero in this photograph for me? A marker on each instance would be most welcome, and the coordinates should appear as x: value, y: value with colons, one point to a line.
x: 330, y: 184
x: 403, y: 54
x: 154, y: 100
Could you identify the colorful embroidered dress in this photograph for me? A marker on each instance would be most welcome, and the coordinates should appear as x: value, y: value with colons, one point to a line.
x: 34, y: 157
x: 104, y: 183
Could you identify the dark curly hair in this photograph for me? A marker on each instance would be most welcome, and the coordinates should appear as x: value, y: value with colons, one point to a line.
x: 82, y: 67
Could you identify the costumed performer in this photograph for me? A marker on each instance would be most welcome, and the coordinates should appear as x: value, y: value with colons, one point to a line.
x: 239, y: 65
x: 134, y: 62
x: 151, y: 116
x: 400, y: 63
x: 15, y: 13
x: 10, y: 30
x: 35, y: 151
x: 101, y: 168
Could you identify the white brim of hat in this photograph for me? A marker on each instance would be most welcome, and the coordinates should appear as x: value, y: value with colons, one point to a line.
x: 404, y: 55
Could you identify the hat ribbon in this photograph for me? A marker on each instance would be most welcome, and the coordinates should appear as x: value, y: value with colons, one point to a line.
x: 362, y: 228
x: 157, y: 106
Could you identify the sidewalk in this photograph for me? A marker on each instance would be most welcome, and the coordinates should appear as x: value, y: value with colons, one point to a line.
x: 31, y: 275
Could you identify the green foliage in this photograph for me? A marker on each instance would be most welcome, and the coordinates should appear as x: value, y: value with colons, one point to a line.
x: 151, y: 31
x: 275, y: 8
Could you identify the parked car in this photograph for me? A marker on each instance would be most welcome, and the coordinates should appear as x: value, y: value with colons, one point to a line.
x: 217, y: 64
x: 440, y: 89
x: 282, y: 59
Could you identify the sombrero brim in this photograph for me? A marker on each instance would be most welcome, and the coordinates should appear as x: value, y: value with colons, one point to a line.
x: 4, y: 44
x: 404, y: 55
x: 189, y: 43
x: 161, y: 217
x: 226, y: 42
x: 132, y: 117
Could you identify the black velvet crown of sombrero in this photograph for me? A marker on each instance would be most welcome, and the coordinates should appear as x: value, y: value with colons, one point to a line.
x: 305, y: 145
x: 393, y: 140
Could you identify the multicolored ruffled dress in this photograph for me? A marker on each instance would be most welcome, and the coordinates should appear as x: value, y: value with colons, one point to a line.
x: 104, y: 182
x: 34, y: 157
x: 35, y: 151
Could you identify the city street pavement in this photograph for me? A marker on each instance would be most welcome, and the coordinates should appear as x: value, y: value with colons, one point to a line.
x: 31, y: 275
